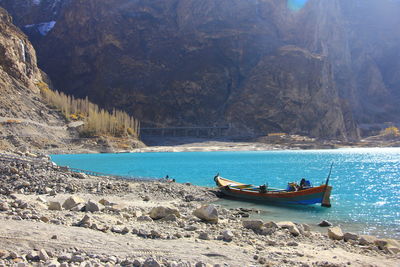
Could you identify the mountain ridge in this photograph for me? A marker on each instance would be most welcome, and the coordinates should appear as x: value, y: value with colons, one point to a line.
x: 182, y: 62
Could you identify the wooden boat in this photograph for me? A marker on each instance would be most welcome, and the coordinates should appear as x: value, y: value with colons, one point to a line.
x: 305, y: 196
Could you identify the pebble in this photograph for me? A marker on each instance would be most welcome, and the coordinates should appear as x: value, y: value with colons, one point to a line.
x: 227, y: 235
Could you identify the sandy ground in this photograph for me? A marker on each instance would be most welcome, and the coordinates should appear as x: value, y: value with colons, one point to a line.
x: 122, y: 232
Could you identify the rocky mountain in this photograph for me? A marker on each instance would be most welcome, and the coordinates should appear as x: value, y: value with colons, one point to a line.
x: 260, y: 65
x: 25, y: 121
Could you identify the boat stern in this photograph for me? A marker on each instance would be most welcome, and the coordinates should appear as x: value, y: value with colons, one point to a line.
x: 326, y: 200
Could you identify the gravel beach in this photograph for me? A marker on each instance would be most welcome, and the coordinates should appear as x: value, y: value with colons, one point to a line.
x: 52, y: 217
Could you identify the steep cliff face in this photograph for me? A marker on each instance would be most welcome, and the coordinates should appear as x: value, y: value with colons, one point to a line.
x: 24, y: 119
x: 255, y: 64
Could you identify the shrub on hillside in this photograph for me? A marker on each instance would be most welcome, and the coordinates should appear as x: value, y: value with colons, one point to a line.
x: 97, y: 121
x: 391, y: 131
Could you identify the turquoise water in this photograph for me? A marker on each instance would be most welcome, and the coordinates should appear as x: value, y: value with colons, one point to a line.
x: 366, y: 182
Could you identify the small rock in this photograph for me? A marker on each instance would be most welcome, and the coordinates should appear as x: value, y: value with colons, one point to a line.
x: 41, y: 199
x: 79, y: 207
x: 44, y: 219
x: 43, y: 256
x: 253, y: 224
x: 200, y: 264
x: 325, y: 223
x: 335, y: 233
x: 150, y: 262
x: 64, y: 257
x: 161, y: 212
x: 92, y: 206
x: 204, y: 236
x: 294, y: 230
x: 32, y: 256
x: 306, y: 227
x: 71, y: 202
x: 290, y: 226
x: 105, y: 202
x: 350, y: 236
x: 54, y: 263
x: 227, y: 235
x: 3, y: 254
x: 207, y: 213
x: 170, y: 218
x: 120, y: 230
x: 77, y: 258
x: 54, y: 205
x: 137, y: 263
x: 85, y: 221
x: 81, y: 175
x: 4, y: 206
x: 271, y: 224
x: 292, y: 244
x: 146, y: 198
x: 366, y: 240
x: 144, y: 218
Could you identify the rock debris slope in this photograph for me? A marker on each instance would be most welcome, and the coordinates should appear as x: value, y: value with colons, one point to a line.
x: 24, y: 119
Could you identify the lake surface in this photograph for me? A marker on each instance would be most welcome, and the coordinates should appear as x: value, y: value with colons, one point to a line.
x: 366, y: 182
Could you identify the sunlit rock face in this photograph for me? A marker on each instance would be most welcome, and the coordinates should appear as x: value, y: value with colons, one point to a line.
x: 296, y: 66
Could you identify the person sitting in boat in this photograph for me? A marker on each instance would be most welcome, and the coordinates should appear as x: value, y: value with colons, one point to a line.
x: 293, y: 186
x: 263, y: 188
x: 304, y: 184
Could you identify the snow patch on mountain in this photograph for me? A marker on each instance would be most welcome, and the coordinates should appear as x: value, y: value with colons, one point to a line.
x: 44, y: 28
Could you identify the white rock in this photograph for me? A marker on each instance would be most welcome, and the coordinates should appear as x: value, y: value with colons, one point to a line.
x: 227, y: 235
x: 43, y: 256
x: 41, y: 199
x: 207, y: 213
x: 290, y: 226
x: 72, y: 202
x: 286, y: 224
x: 294, y: 230
x: 162, y: 212
x: 335, y: 233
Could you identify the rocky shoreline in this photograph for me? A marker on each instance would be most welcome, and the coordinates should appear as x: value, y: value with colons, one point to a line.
x: 52, y: 217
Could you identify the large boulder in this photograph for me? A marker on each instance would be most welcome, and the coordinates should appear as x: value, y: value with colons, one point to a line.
x: 161, y: 212
x: 255, y: 225
x: 207, y: 213
x: 335, y: 233
x: 72, y: 202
